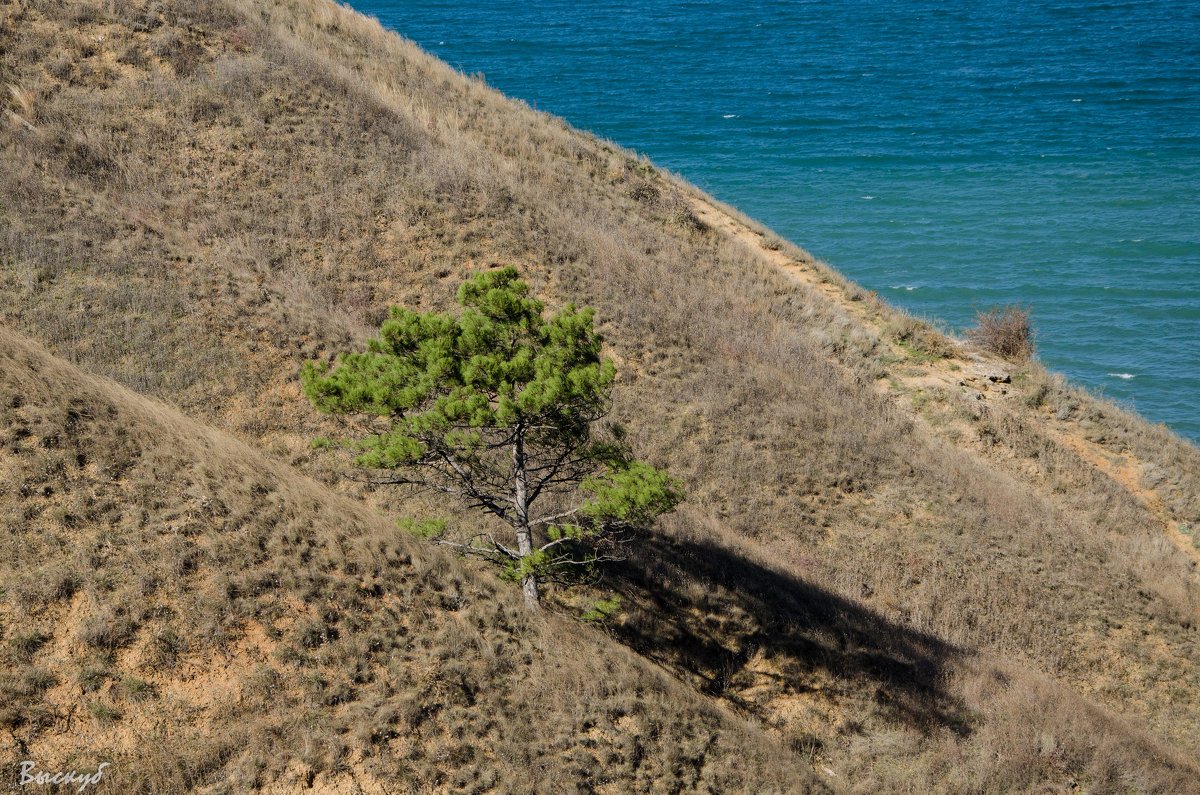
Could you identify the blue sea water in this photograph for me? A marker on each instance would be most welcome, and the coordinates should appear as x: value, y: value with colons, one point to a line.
x: 951, y: 156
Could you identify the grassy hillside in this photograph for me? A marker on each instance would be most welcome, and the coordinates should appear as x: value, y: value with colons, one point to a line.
x: 915, y: 575
x: 194, y: 613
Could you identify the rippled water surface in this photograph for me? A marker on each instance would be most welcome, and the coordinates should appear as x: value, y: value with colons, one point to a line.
x: 951, y: 156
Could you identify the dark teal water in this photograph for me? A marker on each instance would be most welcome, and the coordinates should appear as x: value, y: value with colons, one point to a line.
x: 951, y: 156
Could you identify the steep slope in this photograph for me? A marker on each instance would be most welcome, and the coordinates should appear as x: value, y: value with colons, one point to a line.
x: 197, y: 615
x: 201, y: 196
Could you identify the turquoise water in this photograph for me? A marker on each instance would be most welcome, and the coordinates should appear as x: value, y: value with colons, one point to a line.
x: 951, y: 156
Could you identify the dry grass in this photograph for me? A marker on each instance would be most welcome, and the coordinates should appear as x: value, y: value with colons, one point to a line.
x: 198, y: 228
x: 919, y: 338
x: 228, y: 623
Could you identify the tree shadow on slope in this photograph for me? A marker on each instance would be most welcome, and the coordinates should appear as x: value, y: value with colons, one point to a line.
x: 748, y: 634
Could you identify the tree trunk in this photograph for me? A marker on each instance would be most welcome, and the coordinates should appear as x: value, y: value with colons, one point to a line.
x: 532, y: 600
x: 524, y: 531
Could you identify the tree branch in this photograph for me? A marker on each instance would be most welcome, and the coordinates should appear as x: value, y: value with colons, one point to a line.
x: 553, y: 517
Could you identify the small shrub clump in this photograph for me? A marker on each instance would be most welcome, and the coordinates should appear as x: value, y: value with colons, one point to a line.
x: 920, y: 338
x: 1006, y: 332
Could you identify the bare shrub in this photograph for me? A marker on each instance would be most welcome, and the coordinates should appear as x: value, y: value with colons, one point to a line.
x: 1006, y: 332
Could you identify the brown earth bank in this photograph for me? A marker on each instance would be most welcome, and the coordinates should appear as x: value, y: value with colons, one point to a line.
x: 904, y: 564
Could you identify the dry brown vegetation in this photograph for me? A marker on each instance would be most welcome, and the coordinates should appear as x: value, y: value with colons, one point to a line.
x: 195, y: 614
x: 920, y: 567
x: 1005, y: 332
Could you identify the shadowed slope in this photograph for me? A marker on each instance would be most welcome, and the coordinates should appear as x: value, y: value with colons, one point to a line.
x: 797, y: 636
x: 879, y: 706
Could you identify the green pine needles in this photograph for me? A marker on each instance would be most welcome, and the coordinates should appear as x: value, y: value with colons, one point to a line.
x: 502, y: 408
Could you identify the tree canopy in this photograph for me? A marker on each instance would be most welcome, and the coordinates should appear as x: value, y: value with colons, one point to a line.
x: 501, y: 407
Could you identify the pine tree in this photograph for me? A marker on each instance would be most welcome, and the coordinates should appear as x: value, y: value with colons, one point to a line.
x: 502, y: 408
